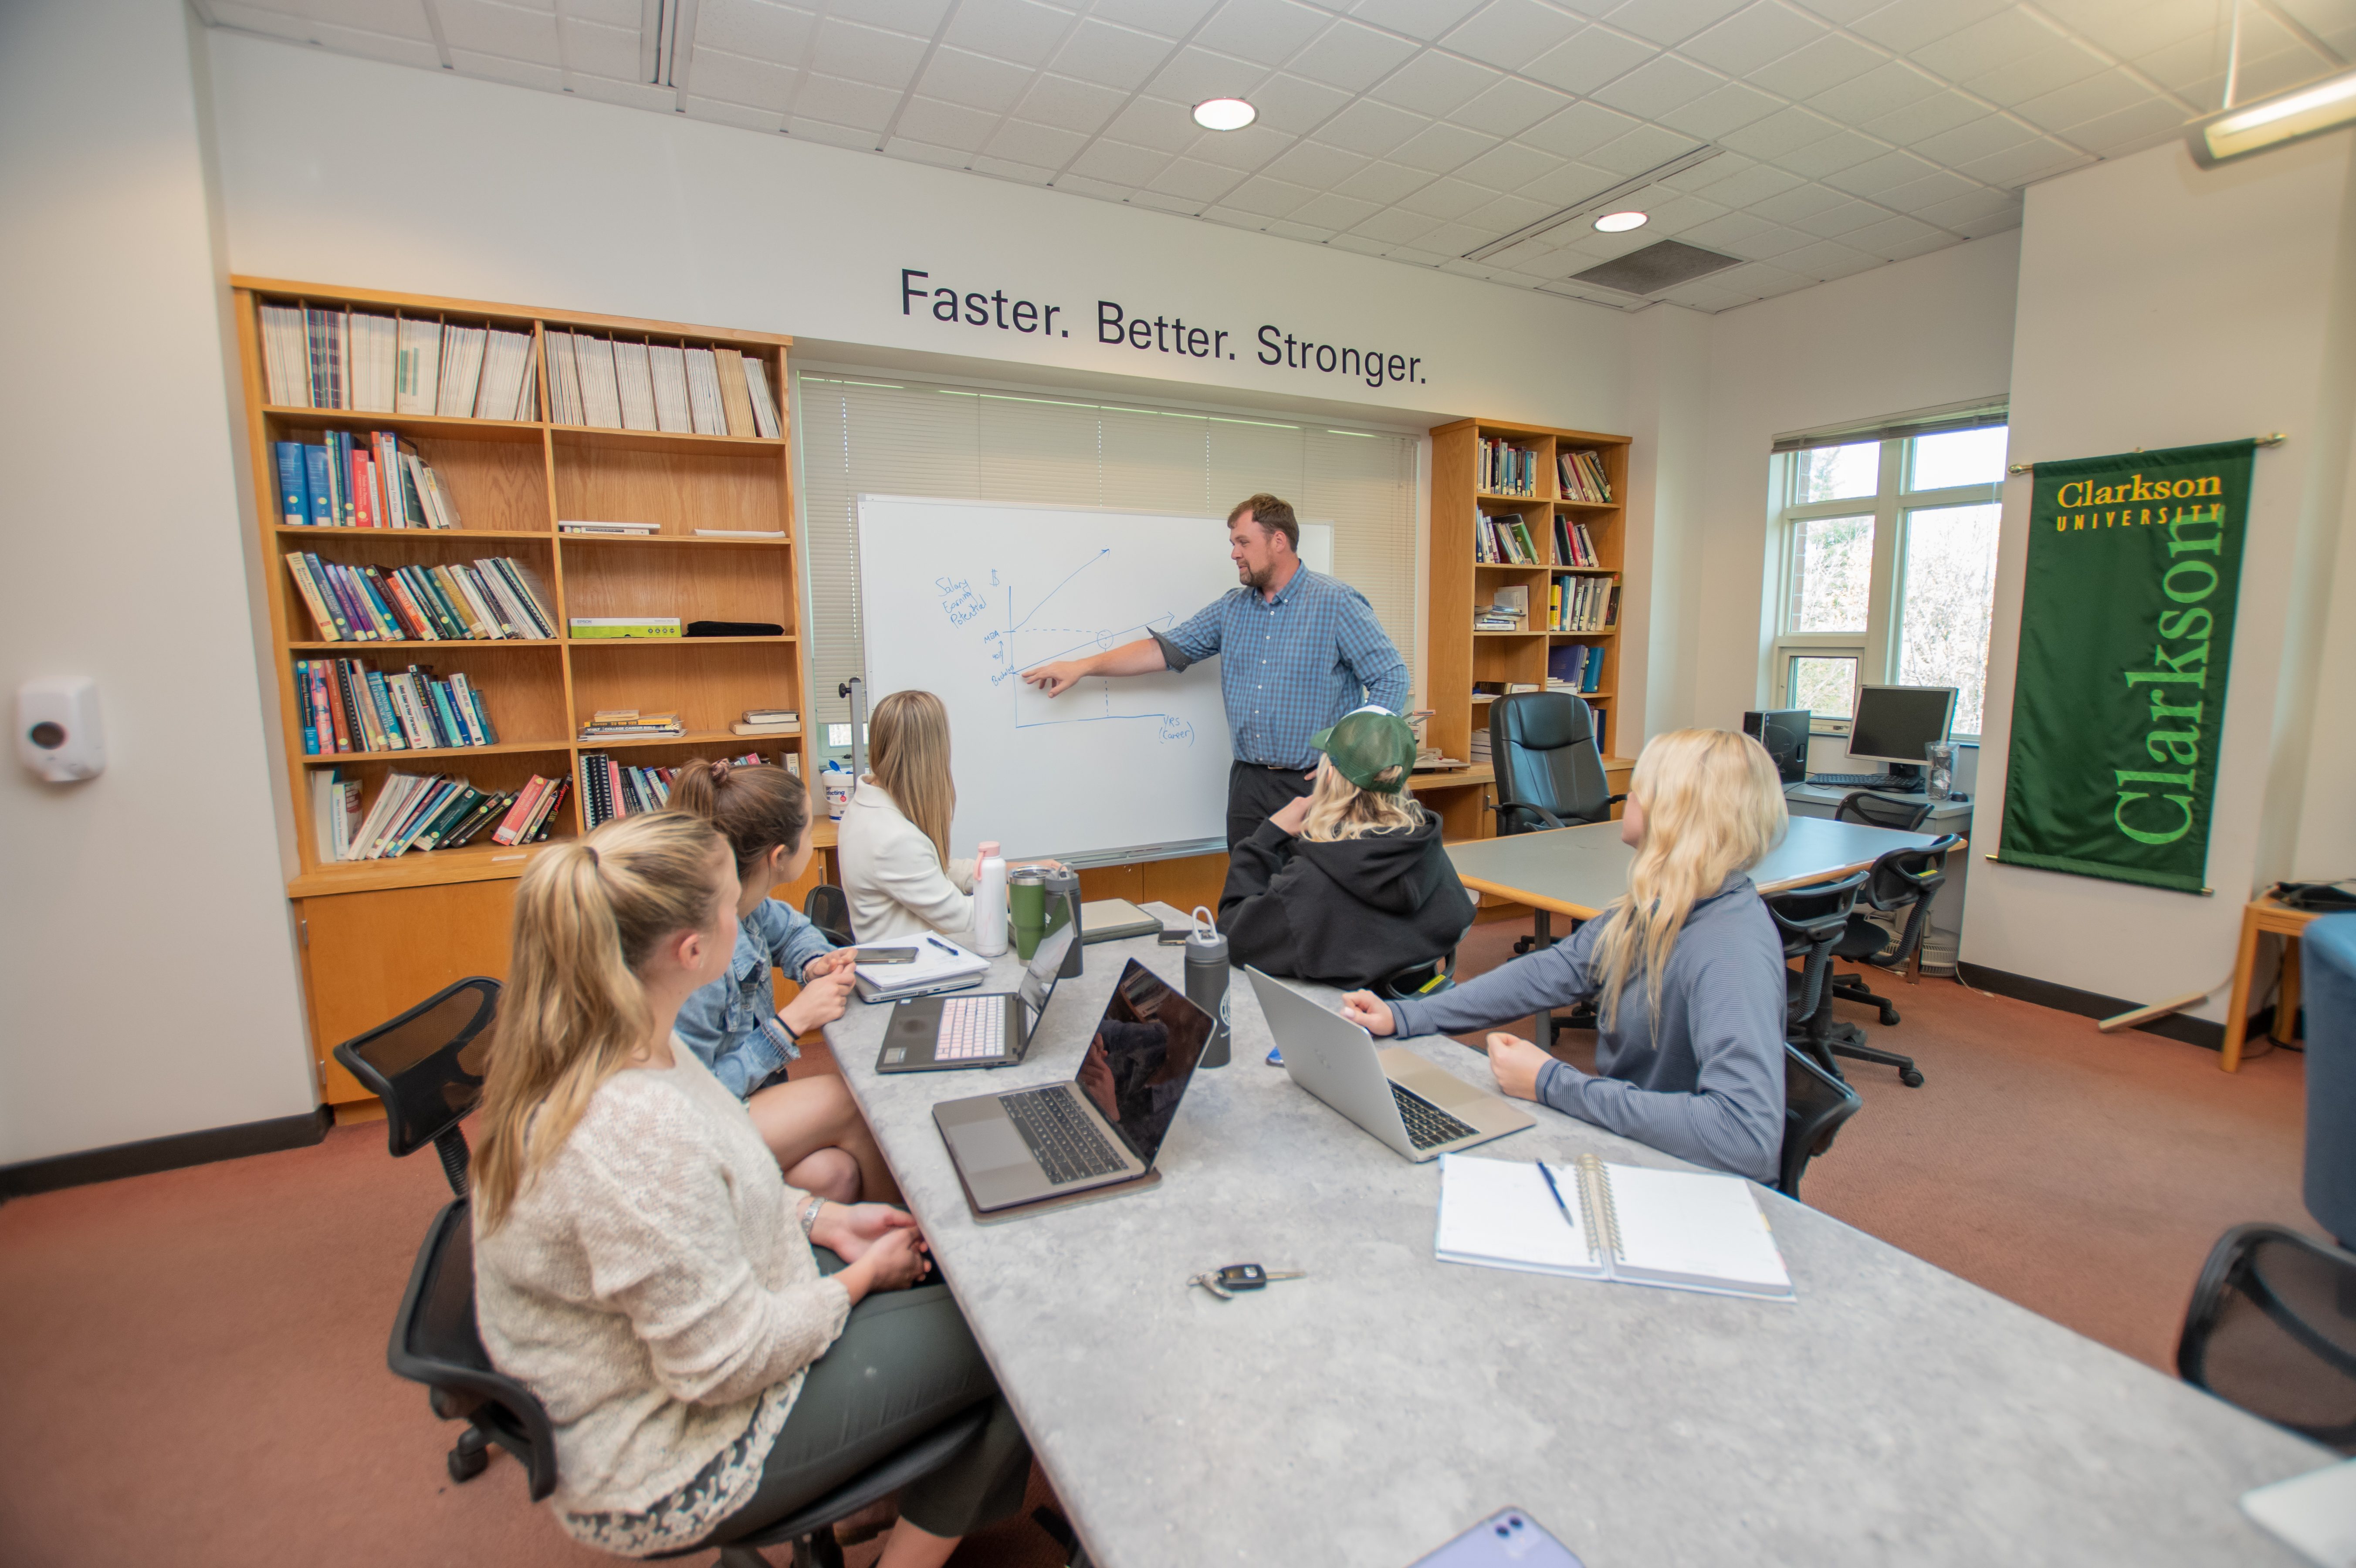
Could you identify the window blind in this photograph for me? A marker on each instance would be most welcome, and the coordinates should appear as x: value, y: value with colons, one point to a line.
x: 1977, y: 414
x: 891, y: 436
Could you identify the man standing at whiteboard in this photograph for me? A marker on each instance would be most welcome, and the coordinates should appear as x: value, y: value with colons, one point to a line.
x: 1298, y: 650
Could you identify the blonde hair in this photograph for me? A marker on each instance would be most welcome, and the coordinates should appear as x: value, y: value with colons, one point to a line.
x: 1713, y: 805
x: 909, y: 752
x: 1339, y: 809
x: 587, y: 913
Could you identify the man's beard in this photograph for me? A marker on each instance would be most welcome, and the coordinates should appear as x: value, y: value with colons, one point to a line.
x: 1257, y: 581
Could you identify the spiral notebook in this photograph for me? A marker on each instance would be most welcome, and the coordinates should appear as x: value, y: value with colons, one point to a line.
x: 1682, y: 1229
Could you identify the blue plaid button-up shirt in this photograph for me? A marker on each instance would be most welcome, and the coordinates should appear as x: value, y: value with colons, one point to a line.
x: 1292, y: 667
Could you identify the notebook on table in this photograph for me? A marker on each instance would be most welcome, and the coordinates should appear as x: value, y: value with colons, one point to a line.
x: 1683, y: 1230
x: 937, y: 965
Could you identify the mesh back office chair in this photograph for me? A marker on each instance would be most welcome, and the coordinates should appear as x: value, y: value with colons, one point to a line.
x: 1881, y: 810
x: 428, y: 1067
x: 1815, y: 1104
x: 2271, y: 1329
x: 1812, y: 919
x: 1549, y: 775
x: 827, y: 907
x: 1902, y: 879
x: 2327, y: 953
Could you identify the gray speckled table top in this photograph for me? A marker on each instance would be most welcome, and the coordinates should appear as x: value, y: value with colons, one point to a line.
x: 1364, y: 1414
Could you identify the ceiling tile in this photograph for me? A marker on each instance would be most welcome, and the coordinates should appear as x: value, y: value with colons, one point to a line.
x: 1993, y: 133
x: 2130, y: 127
x: 1760, y: 33
x: 1017, y: 30
x: 1080, y: 185
x: 1155, y: 123
x: 1159, y: 201
x: 1722, y: 166
x: 2036, y: 74
x: 754, y: 83
x: 1588, y: 59
x: 1891, y: 235
x: 1269, y: 32
x: 1509, y: 167
x: 2035, y: 160
x: 839, y: 101
x: 1320, y: 167
x: 1196, y: 73
x: 1816, y: 67
x: 1359, y: 244
x: 599, y: 49
x: 2080, y: 101
x: 1234, y: 218
x: 1012, y: 169
x: 1754, y: 183
x: 1762, y: 280
x: 1730, y: 107
x: 385, y: 26
x: 974, y: 80
x: 1646, y: 148
x: 1824, y: 259
x: 1956, y: 211
x: 1577, y: 129
x: 1775, y: 240
x: 1351, y: 57
x: 1414, y: 256
x: 1981, y: 228
x: 1380, y: 182
x: 944, y: 125
x: 1875, y: 175
x: 1292, y: 103
x: 1675, y: 214
x: 1728, y: 229
x: 1448, y: 199
x: 1335, y: 212
x: 1434, y: 83
x: 516, y: 73
x: 1193, y: 179
x: 1506, y: 33
x: 1943, y: 111
x: 1799, y: 202
x: 2132, y: 30
x: 1268, y: 198
x: 1397, y: 226
x: 917, y: 152
x: 509, y: 31
x: 754, y: 29
x: 1671, y: 21
x: 1997, y: 40
x: 1417, y: 18
x: 1243, y: 150
x: 1069, y: 105
x: 1025, y: 141
x: 1371, y: 128
x: 1931, y: 189
x: 1892, y: 85
x: 1702, y: 295
x: 631, y: 95
x: 1440, y: 148
x: 1908, y: 25
x: 1508, y: 108
x: 866, y: 54
x: 1172, y: 18
x: 1110, y: 57
x: 1570, y: 185
x: 1119, y: 163
x: 1836, y: 222
x: 1505, y: 214
x: 1779, y: 134
x: 1652, y: 90
x: 608, y: 12
x: 1455, y: 239
x: 831, y: 134
x: 1310, y: 233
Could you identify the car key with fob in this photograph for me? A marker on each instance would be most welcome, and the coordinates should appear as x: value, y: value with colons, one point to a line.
x: 1228, y: 1281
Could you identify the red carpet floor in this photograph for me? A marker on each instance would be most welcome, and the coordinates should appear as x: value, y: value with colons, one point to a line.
x: 193, y: 1363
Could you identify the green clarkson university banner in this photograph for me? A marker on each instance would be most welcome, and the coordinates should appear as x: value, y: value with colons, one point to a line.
x: 2126, y: 627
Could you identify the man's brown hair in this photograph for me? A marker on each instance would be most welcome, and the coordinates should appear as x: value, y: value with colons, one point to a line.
x: 1271, y: 514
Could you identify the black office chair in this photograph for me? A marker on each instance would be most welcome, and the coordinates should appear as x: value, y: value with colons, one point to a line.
x: 1812, y: 919
x: 2271, y: 1329
x: 1815, y: 1104
x: 1426, y: 980
x: 829, y: 908
x: 1902, y: 879
x: 428, y: 1067
x: 435, y: 1342
x: 1549, y: 775
x: 1881, y: 810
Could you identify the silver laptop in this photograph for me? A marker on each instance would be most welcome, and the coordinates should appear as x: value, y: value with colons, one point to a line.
x: 1106, y: 1126
x: 1420, y: 1110
x: 991, y: 1029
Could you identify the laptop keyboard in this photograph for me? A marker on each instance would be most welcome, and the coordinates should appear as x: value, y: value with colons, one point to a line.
x: 1427, y: 1126
x: 971, y: 1027
x: 1068, y: 1148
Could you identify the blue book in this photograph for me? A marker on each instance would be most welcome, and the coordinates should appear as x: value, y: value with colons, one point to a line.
x: 445, y: 716
x: 388, y: 717
x: 303, y: 704
x: 293, y: 485
x: 319, y: 492
x: 464, y: 688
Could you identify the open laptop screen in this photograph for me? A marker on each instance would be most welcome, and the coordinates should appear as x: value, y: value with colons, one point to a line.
x: 1141, y: 1057
x: 1039, y: 978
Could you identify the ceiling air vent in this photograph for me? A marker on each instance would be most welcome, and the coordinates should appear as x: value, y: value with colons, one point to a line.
x: 1661, y: 265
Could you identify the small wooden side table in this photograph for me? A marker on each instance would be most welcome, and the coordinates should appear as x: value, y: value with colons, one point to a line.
x: 2264, y: 916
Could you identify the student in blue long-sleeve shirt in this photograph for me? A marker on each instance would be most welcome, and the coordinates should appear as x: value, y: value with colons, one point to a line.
x: 735, y: 1026
x: 1686, y: 966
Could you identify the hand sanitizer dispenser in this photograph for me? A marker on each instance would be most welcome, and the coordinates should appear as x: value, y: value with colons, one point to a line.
x: 59, y: 735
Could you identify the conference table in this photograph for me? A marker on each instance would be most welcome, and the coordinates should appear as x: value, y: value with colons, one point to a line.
x: 1367, y: 1413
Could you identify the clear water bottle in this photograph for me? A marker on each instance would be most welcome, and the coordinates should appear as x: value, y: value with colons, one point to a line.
x: 990, y: 901
x: 1206, y: 983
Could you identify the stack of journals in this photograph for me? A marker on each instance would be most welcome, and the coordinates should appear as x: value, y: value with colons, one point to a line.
x: 1583, y: 604
x: 1573, y: 544
x: 641, y: 529
x: 769, y: 721
x: 381, y: 364
x: 496, y: 597
x: 612, y: 627
x: 348, y: 707
x: 1575, y: 667
x: 371, y: 481
x: 1581, y: 473
x: 1504, y: 540
x: 1508, y: 469
x: 619, y: 385
x: 611, y: 789
x: 1508, y: 613
x: 615, y: 723
x: 426, y: 811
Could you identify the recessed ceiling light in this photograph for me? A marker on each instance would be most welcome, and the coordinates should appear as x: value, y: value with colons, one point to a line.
x: 1224, y: 114
x: 1620, y: 222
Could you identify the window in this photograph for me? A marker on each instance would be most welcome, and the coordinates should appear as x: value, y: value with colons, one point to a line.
x: 1886, y: 547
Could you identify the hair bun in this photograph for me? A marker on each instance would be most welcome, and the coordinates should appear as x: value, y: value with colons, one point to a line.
x: 720, y: 772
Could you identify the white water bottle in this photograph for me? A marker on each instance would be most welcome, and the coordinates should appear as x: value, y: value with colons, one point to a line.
x: 990, y: 901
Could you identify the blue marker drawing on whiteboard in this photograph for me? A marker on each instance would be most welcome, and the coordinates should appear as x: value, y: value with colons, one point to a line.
x: 1023, y: 645
x: 959, y: 601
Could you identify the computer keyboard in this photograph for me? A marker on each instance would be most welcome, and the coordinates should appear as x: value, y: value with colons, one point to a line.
x: 1427, y: 1126
x: 1864, y: 780
x: 971, y: 1027
x: 1066, y: 1146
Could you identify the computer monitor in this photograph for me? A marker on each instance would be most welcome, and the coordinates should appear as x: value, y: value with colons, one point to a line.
x: 1894, y: 723
x: 1784, y: 732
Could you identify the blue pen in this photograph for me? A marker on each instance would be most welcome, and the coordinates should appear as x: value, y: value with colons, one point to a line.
x: 1551, y: 1188
x: 942, y: 945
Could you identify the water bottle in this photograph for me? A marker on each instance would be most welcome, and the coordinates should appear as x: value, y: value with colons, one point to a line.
x: 990, y: 901
x: 1064, y: 904
x: 1027, y: 908
x: 1206, y: 983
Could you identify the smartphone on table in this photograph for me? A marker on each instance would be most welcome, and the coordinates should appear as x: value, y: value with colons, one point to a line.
x: 1506, y: 1539
x: 883, y: 955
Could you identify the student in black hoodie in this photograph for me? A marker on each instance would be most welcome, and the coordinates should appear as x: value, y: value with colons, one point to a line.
x: 1347, y: 885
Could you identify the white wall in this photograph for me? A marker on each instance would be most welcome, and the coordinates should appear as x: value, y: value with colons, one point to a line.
x: 144, y: 948
x: 2165, y: 305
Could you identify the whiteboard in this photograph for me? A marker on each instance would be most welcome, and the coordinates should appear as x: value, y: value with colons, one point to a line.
x: 958, y: 597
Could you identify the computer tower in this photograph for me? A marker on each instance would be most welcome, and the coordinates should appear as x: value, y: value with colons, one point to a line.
x: 1784, y: 732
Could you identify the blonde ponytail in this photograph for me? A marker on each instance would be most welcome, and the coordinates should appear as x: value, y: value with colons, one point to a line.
x: 1713, y: 805
x: 573, y: 1013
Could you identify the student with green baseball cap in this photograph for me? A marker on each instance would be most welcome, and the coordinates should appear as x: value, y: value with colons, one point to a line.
x: 1348, y: 886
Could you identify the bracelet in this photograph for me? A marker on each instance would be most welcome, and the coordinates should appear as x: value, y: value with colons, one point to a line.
x: 809, y: 1216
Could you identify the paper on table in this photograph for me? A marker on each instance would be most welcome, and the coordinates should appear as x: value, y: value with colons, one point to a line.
x: 1498, y: 1213
x: 935, y: 960
x: 2314, y: 1512
x: 1692, y: 1226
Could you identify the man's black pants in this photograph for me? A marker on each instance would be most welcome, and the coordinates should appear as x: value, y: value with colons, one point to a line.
x: 1256, y: 792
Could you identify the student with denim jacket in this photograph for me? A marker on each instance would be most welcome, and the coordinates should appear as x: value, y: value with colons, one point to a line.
x: 735, y: 1026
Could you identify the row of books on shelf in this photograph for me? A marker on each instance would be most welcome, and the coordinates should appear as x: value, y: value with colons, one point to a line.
x: 1575, y: 667
x: 494, y: 598
x: 650, y: 530
x: 1508, y: 469
x: 1503, y: 541
x: 427, y: 812
x: 1582, y: 604
x: 371, y: 481
x: 1573, y: 544
x: 1581, y: 476
x: 317, y: 358
x: 348, y: 707
x: 610, y: 789
x: 617, y: 384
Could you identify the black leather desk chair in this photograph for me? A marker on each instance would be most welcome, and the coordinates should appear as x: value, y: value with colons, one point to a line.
x: 1902, y: 879
x: 1815, y: 1104
x: 2271, y: 1329
x: 1549, y: 775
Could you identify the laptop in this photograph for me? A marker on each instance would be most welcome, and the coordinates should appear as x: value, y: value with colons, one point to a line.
x: 1104, y: 1126
x: 991, y: 1029
x: 1419, y: 1110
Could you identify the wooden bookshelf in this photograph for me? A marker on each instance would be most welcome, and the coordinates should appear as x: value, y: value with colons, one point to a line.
x: 380, y: 935
x: 1461, y: 585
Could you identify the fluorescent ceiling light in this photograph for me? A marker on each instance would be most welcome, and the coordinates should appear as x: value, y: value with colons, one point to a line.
x: 1620, y: 222
x: 1224, y: 114
x: 2292, y: 116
